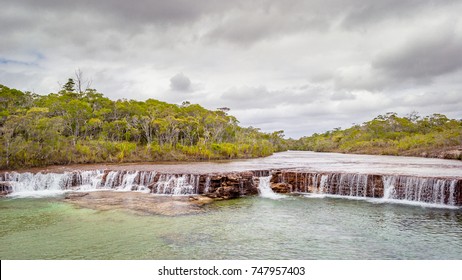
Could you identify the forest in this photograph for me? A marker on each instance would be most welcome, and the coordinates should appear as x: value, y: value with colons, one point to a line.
x: 78, y: 125
x: 389, y: 134
x: 81, y: 125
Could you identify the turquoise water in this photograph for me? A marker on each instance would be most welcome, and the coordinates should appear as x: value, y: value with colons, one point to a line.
x: 246, y: 228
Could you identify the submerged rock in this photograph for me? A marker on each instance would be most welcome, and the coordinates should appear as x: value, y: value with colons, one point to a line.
x: 75, y: 195
x: 140, y: 203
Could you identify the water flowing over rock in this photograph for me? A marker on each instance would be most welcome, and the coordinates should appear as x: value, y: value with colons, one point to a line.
x: 219, y: 185
x: 438, y: 191
x: 432, y: 190
x: 5, y: 188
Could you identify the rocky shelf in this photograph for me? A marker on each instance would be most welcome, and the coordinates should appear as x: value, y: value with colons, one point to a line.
x: 227, y: 185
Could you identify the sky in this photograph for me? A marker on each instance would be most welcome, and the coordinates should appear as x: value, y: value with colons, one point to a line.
x: 299, y: 66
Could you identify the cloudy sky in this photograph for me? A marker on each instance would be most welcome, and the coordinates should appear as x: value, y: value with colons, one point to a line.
x: 301, y: 66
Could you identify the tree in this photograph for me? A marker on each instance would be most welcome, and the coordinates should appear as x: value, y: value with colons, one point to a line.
x: 82, y: 84
x: 69, y: 85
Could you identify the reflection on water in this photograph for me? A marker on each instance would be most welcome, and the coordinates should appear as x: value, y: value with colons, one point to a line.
x: 247, y: 228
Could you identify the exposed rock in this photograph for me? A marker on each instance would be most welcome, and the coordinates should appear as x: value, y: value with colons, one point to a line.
x: 75, y: 195
x: 281, y: 187
x: 230, y: 185
x: 5, y: 188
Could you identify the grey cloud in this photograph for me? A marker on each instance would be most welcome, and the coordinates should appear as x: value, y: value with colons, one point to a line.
x: 322, y: 63
x: 250, y: 26
x: 430, y: 99
x: 261, y: 97
x: 423, y: 58
x: 337, y: 96
x: 156, y: 11
x: 247, y: 23
x: 180, y: 82
x: 363, y: 13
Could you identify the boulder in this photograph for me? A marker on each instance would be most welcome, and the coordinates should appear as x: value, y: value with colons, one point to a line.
x: 227, y: 192
x: 281, y: 187
x: 5, y: 188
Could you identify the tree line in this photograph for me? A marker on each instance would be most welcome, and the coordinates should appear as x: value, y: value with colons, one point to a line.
x: 390, y: 134
x: 80, y: 125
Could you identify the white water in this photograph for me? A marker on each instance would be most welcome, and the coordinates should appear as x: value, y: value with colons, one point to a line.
x: 264, y: 189
x: 51, y: 184
x: 128, y: 181
x: 40, y: 184
x: 176, y: 185
x: 435, y: 191
x: 430, y: 181
x: 207, y: 184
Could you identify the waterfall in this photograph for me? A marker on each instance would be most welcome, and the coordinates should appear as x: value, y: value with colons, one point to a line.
x: 43, y: 184
x: 438, y: 191
x: 128, y: 181
x: 388, y: 188
x: 89, y: 180
x: 207, y: 184
x: 264, y: 188
x: 335, y: 183
x: 176, y: 185
x: 29, y: 182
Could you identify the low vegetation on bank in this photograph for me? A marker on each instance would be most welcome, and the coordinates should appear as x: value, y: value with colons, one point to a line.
x: 389, y: 134
x: 83, y: 126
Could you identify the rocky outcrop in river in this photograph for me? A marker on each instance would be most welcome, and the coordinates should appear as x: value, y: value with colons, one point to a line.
x: 5, y: 188
x: 227, y: 185
x: 434, y: 190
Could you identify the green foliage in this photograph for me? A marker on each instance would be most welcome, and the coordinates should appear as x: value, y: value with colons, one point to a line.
x: 388, y: 134
x: 72, y: 126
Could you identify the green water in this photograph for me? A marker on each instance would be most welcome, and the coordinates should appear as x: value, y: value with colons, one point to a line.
x: 246, y: 228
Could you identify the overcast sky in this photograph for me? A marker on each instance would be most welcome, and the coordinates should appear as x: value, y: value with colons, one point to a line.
x: 298, y: 66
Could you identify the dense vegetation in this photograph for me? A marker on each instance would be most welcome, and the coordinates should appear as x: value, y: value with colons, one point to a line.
x: 389, y: 134
x: 79, y: 125
x: 83, y: 126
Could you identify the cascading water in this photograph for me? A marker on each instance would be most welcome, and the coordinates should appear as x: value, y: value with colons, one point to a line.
x: 176, y: 185
x: 128, y: 181
x: 30, y: 184
x: 390, y: 188
x: 264, y: 188
x: 394, y: 188
x: 436, y: 191
x: 207, y: 184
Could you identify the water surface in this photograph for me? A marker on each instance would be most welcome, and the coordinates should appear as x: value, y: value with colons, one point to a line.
x: 309, y: 161
x: 246, y: 228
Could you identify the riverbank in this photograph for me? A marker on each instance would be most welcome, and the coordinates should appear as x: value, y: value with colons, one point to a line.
x: 451, y: 153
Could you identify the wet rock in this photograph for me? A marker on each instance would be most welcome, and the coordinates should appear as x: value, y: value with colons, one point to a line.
x: 75, y: 195
x: 246, y: 175
x: 140, y: 203
x: 233, y: 177
x: 227, y: 192
x: 216, y: 178
x: 281, y: 187
x: 5, y: 188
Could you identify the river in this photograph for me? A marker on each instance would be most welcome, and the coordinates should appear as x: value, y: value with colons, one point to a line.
x: 304, y: 226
